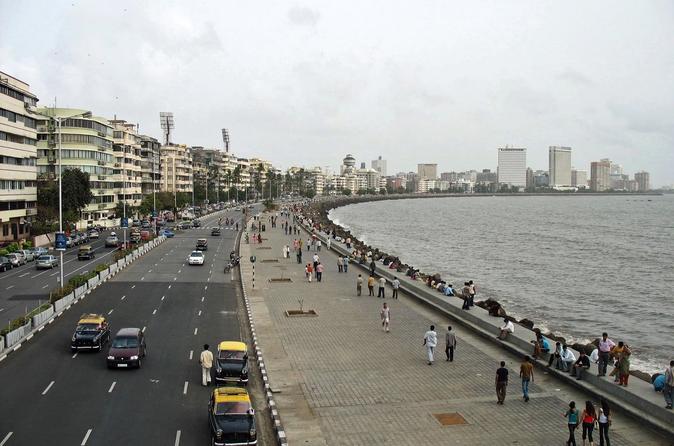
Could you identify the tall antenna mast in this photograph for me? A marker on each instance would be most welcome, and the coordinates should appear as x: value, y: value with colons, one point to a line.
x: 167, y: 124
x: 225, y: 139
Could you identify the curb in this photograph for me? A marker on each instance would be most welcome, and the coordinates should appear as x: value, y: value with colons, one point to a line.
x: 8, y: 351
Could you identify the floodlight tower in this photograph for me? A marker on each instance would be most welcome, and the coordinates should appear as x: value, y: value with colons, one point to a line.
x: 167, y: 124
x: 225, y: 139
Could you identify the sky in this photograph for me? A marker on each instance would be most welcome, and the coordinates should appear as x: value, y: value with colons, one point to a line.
x: 306, y: 82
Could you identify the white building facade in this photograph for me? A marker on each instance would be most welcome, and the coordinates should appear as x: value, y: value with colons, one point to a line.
x: 512, y: 166
x: 559, y: 166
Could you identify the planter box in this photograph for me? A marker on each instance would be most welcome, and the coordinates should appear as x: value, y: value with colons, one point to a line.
x: 80, y: 291
x: 61, y: 304
x: 43, y: 317
x: 103, y: 274
x: 92, y: 282
x: 113, y: 268
x: 14, y: 337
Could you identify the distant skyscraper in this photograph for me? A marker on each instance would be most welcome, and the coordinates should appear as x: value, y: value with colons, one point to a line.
x: 428, y: 171
x: 579, y: 178
x: 560, y: 166
x: 599, y: 175
x: 512, y: 166
x: 380, y: 166
x: 643, y: 179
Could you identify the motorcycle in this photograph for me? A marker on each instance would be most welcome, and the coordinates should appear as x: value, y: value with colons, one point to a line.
x: 234, y: 261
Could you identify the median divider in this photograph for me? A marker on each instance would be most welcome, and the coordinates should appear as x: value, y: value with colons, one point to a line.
x: 23, y: 329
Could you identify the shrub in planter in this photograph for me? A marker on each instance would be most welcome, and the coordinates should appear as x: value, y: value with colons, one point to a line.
x: 16, y: 323
x: 101, y: 267
x: 38, y: 310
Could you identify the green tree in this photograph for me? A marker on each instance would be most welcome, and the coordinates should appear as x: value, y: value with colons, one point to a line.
x: 346, y: 192
x: 76, y: 195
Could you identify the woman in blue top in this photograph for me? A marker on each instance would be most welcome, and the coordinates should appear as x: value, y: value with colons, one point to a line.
x: 572, y: 416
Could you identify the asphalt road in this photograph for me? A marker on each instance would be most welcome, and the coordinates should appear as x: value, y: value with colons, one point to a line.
x: 50, y: 396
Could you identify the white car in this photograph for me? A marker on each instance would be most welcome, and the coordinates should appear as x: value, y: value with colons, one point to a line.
x: 196, y: 258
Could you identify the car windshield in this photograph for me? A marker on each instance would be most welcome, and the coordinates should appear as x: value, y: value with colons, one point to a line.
x: 232, y: 355
x: 44, y: 258
x: 232, y: 408
x: 201, y: 240
x: 125, y: 343
x: 83, y: 328
x: 196, y: 254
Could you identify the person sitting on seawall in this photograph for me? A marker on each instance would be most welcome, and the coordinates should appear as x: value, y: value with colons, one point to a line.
x: 449, y: 290
x: 567, y: 358
x: 658, y: 381
x: 583, y: 363
x: 556, y: 356
x: 541, y: 345
x: 507, y: 328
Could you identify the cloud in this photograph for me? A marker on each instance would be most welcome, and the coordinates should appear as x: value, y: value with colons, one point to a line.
x: 303, y: 16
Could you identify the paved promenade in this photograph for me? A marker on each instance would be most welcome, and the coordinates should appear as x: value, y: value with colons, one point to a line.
x: 339, y: 379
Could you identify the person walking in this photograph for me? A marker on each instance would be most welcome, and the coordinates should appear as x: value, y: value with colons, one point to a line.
x: 308, y: 244
x: 604, y: 422
x: 299, y: 255
x: 605, y: 346
x: 527, y: 375
x: 385, y: 314
x: 319, y: 271
x: 315, y: 259
x: 382, y: 288
x: 589, y: 417
x: 328, y: 243
x: 396, y: 286
x: 370, y: 285
x: 430, y: 341
x: 309, y: 270
x: 206, y: 362
x: 359, y: 285
x: 572, y: 422
x: 318, y: 245
x: 450, y: 344
x: 471, y: 292
x: 501, y: 383
x: 345, y: 263
x: 340, y: 265
x: 373, y: 267
x: 668, y: 390
x: 465, y: 293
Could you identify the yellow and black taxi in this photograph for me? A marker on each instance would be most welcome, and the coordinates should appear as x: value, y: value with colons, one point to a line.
x: 231, y: 364
x: 231, y: 417
x: 91, y: 333
x: 85, y: 252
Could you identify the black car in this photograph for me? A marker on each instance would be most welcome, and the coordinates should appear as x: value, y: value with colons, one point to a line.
x: 196, y: 223
x: 91, y: 333
x: 231, y: 417
x: 5, y: 264
x: 202, y: 244
x: 231, y: 364
x: 215, y: 231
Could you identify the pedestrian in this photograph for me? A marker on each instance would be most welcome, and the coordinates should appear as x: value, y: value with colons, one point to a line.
x: 373, y: 267
x: 340, y: 267
x: 318, y: 245
x: 382, y: 288
x: 604, y: 422
x: 259, y: 237
x: 624, y: 364
x: 501, y: 383
x: 471, y: 293
x: 345, y: 262
x: 385, y: 314
x: 556, y: 356
x: 567, y: 358
x: 299, y: 255
x: 308, y: 244
x: 430, y: 341
x: 668, y: 390
x: 206, y: 362
x: 581, y: 364
x: 450, y: 344
x: 328, y: 243
x: 319, y: 271
x: 348, y: 243
x: 527, y: 375
x: 589, y: 417
x: 283, y: 251
x: 465, y: 294
x: 396, y: 286
x: 308, y: 271
x: 315, y: 259
x: 506, y: 329
x: 605, y: 347
x: 572, y: 420
x: 370, y: 285
x: 359, y: 284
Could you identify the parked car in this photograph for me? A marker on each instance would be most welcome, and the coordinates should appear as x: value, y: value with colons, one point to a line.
x: 185, y: 225
x: 37, y: 252
x: 76, y: 239
x: 94, y: 234
x: 127, y: 349
x: 202, y: 244
x: 111, y: 241
x: 16, y: 259
x: 215, y: 231
x: 196, y: 258
x: 85, y: 252
x: 231, y: 417
x: 84, y: 237
x: 145, y: 224
x: 231, y: 364
x: 27, y: 254
x: 91, y: 333
x: 46, y: 261
x: 5, y: 264
x: 196, y: 223
x: 167, y: 233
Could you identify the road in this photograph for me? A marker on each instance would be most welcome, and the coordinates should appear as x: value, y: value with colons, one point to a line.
x: 51, y: 396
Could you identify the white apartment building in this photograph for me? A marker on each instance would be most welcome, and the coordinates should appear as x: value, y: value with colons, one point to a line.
x: 149, y: 164
x: 128, y: 162
x: 429, y: 171
x: 18, y: 158
x: 512, y: 166
x: 176, y: 168
x: 379, y: 165
x: 559, y: 166
x: 579, y: 178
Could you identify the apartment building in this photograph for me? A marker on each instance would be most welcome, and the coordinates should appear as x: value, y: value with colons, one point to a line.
x: 149, y: 164
x: 512, y: 166
x: 127, y: 167
x: 176, y: 168
x: 18, y: 158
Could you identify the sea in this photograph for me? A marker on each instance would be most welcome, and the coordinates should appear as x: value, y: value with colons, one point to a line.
x: 575, y: 265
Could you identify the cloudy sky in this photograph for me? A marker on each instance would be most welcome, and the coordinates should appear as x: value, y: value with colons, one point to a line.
x: 304, y: 83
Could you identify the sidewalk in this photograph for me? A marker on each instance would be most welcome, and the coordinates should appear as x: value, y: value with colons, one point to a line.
x: 340, y: 380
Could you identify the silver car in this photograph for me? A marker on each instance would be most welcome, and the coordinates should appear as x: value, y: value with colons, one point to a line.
x: 16, y: 259
x: 46, y: 261
x: 27, y: 254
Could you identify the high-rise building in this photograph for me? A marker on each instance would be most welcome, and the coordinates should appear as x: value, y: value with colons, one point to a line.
x: 579, y: 178
x: 380, y: 166
x: 599, y: 175
x: 512, y: 166
x: 18, y: 158
x: 427, y: 171
x: 643, y: 180
x: 87, y: 145
x: 176, y: 168
x: 149, y: 164
x: 559, y: 166
x: 128, y: 170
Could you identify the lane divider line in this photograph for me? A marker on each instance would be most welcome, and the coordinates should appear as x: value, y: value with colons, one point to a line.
x: 162, y: 298
x: 44, y: 392
x: 7, y: 437
x: 143, y: 330
x: 185, y: 388
x: 75, y: 355
x: 177, y: 442
x: 196, y: 330
x: 86, y: 437
x: 154, y: 312
x: 110, y: 312
x: 112, y: 387
x: 191, y: 354
x: 123, y: 297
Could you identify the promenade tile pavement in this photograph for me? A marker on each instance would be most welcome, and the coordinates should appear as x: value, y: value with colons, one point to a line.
x: 343, y: 381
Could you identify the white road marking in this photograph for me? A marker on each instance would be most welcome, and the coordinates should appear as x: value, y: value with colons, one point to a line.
x: 9, y: 287
x: 142, y: 278
x: 179, y: 271
x: 123, y: 297
x: 169, y: 287
x: 149, y: 271
x: 86, y: 437
x: 112, y: 386
x: 44, y: 392
x: 199, y: 313
x: 24, y: 274
x: 208, y: 280
x: 195, y: 331
x: 45, y: 286
x: 110, y: 312
x: 1, y: 310
x: 143, y: 330
x: 162, y: 298
x: 133, y: 286
x: 174, y: 444
x: 156, y: 264
x: 52, y: 275
x: 185, y: 388
x: 9, y: 435
x: 75, y: 355
x: 191, y: 354
x: 155, y: 311
x: 206, y: 287
x: 202, y: 298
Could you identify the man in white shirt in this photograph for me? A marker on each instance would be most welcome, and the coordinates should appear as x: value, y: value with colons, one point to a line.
x: 396, y: 287
x: 385, y: 314
x: 382, y: 288
x: 431, y: 341
x: 568, y: 358
x: 506, y: 329
x: 206, y: 361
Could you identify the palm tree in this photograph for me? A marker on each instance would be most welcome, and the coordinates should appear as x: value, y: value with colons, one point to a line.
x: 228, y: 180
